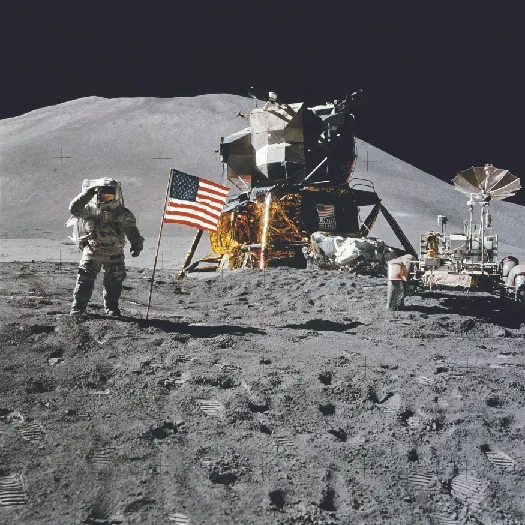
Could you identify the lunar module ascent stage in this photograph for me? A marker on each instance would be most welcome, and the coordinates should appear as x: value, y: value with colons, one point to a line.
x: 293, y: 167
x: 466, y: 260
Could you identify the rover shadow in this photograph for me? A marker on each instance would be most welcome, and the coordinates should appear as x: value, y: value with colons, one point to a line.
x: 496, y: 310
x: 502, y: 312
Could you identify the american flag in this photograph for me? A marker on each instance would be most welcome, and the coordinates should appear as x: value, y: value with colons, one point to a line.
x: 326, y: 210
x: 194, y: 201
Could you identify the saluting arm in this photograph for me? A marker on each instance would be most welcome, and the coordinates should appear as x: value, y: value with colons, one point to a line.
x: 78, y: 204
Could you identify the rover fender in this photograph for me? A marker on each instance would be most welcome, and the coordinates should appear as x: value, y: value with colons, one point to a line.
x: 516, y: 276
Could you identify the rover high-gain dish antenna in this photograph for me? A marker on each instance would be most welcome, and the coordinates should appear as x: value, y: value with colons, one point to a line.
x: 484, y: 184
x: 487, y: 182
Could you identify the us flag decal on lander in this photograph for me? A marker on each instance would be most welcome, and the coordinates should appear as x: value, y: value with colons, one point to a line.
x: 326, y: 214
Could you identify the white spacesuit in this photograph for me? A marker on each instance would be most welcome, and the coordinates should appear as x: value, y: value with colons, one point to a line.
x: 102, y: 223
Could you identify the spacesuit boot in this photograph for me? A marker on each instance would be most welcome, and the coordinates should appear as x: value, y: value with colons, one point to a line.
x: 81, y: 295
x: 111, y: 294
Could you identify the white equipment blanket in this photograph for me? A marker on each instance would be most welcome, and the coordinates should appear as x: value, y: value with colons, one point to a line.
x: 346, y: 251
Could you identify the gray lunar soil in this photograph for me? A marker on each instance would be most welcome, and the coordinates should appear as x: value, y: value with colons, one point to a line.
x: 282, y: 397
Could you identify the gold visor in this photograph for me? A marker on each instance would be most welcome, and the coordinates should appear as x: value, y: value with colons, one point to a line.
x: 107, y: 197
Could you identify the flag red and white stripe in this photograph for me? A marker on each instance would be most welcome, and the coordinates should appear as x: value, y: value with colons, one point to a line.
x: 195, y: 202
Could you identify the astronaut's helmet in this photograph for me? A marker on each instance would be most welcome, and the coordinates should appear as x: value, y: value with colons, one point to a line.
x: 108, y: 194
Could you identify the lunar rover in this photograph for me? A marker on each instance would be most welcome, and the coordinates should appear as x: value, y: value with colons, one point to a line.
x: 466, y: 260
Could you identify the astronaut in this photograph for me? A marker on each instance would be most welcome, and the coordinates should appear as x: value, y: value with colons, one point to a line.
x: 102, y: 222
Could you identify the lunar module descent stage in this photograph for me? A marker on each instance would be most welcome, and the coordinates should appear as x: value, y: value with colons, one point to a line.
x: 293, y: 166
x: 466, y: 260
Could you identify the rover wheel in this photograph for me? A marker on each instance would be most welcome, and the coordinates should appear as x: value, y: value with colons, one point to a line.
x: 395, y: 295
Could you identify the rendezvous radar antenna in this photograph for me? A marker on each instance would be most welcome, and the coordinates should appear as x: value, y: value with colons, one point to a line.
x: 483, y: 184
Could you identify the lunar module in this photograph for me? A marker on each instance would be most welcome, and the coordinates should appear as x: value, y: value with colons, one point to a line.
x: 466, y: 260
x: 293, y: 168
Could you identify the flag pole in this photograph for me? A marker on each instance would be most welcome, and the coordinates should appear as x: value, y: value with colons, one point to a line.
x: 158, y: 245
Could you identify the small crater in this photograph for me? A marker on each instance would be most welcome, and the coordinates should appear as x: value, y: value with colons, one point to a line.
x: 327, y: 410
x: 222, y: 381
x: 55, y: 357
x: 340, y: 434
x: 38, y: 386
x: 372, y: 396
x: 222, y: 475
x: 227, y: 383
x: 163, y: 430
x: 42, y: 329
x: 328, y: 500
x: 139, y: 504
x: 412, y: 455
x: 435, y: 425
x: 277, y: 499
x: 405, y: 416
x: 495, y: 402
x: 325, y: 378
x: 468, y: 325
x: 258, y: 407
x: 225, y: 342
x: 505, y: 421
x: 265, y: 430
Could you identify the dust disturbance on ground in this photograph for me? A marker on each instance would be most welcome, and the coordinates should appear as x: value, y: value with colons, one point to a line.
x: 286, y: 397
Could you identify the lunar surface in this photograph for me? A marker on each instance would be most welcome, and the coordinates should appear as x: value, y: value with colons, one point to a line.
x: 284, y: 396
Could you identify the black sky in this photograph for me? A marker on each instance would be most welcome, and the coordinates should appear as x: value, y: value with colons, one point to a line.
x: 446, y: 80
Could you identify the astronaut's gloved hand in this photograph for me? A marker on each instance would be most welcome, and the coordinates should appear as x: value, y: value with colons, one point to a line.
x: 135, y: 250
